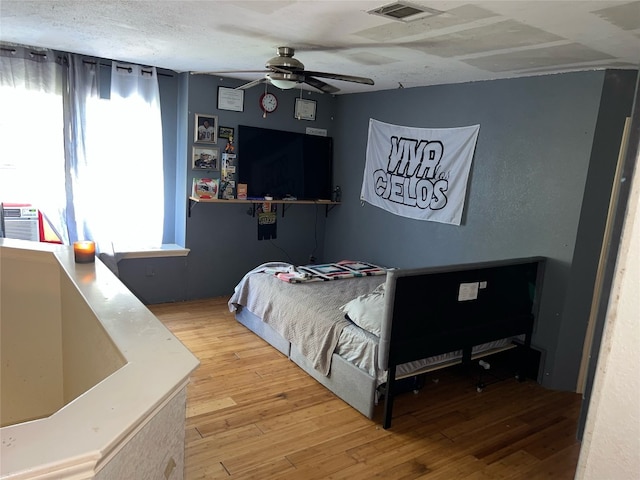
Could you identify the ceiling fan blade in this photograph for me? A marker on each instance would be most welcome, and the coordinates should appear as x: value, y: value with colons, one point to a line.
x: 319, y: 84
x: 337, y: 76
x: 252, y: 84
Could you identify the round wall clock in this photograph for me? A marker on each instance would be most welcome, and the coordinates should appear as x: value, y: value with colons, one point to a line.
x: 268, y: 102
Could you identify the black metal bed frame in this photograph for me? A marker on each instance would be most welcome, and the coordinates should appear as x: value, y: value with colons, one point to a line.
x: 431, y: 311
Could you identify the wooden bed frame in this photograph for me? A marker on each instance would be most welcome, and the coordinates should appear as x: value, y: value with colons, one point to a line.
x: 431, y: 311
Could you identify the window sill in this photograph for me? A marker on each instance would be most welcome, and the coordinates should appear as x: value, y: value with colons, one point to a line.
x: 166, y: 250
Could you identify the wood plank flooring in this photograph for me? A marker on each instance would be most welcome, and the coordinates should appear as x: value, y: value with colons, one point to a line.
x: 253, y: 414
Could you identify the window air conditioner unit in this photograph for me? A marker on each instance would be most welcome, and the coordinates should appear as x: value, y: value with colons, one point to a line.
x: 22, y: 223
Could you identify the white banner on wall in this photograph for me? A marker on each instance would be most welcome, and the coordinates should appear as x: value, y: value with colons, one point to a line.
x: 418, y: 173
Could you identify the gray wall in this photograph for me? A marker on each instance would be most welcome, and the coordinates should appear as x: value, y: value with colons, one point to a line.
x: 525, y: 190
x: 223, y: 237
x: 610, y: 244
x: 615, y: 105
x: 525, y: 193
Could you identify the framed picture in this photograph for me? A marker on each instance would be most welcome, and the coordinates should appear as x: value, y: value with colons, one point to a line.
x: 305, y: 109
x: 206, y: 187
x: 205, y: 158
x: 230, y: 99
x: 206, y: 128
x: 225, y: 132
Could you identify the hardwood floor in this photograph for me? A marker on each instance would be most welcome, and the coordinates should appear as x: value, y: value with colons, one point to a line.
x: 253, y: 414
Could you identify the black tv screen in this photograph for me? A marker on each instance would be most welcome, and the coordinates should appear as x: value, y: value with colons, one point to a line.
x: 281, y: 164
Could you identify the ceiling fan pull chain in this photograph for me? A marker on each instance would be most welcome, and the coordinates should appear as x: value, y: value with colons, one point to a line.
x: 298, y: 113
x: 264, y: 113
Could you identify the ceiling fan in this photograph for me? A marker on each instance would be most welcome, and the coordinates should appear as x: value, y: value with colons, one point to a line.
x: 285, y: 72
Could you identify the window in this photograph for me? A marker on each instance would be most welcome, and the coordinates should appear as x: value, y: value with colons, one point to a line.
x: 32, y: 161
x: 31, y: 146
x: 93, y: 186
x: 122, y: 169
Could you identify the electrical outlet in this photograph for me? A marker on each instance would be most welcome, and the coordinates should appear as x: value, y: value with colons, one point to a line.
x: 312, y: 259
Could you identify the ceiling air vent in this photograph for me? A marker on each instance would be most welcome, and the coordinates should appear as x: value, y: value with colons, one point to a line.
x: 404, y: 12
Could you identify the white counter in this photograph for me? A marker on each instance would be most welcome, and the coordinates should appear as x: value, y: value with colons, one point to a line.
x: 106, y: 336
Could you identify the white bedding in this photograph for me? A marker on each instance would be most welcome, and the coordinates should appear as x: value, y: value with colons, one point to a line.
x: 361, y: 348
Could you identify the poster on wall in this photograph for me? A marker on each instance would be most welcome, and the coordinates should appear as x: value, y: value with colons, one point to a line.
x: 419, y: 173
x: 267, y: 221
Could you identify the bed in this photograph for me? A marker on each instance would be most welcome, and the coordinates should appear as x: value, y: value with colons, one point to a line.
x: 359, y: 332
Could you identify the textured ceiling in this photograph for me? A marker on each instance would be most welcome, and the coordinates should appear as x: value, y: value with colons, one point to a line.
x: 467, y: 41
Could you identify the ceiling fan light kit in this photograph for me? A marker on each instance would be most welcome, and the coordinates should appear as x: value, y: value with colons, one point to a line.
x: 284, y: 81
x: 283, y: 84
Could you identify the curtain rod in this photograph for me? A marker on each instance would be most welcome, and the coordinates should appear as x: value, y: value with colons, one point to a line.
x: 89, y: 62
x: 42, y: 55
x: 13, y: 51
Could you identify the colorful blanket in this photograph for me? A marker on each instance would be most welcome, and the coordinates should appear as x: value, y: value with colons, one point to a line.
x: 330, y: 271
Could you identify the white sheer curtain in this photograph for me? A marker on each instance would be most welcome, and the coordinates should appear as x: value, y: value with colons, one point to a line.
x: 32, y: 162
x: 94, y: 166
x: 117, y: 166
x: 83, y: 90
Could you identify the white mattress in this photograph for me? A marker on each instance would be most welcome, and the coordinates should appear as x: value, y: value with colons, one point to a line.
x: 361, y: 348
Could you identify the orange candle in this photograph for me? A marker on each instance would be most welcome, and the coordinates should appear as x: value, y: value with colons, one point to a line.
x: 84, y: 252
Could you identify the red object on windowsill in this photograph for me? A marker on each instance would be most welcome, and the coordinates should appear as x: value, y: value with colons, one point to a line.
x: 46, y: 233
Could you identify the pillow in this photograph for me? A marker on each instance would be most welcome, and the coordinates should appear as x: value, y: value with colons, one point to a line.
x: 367, y: 310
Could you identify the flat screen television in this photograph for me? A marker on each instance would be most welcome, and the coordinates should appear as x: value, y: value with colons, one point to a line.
x: 281, y: 164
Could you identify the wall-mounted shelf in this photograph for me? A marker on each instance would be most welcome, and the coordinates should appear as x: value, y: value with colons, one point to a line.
x: 254, y: 203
